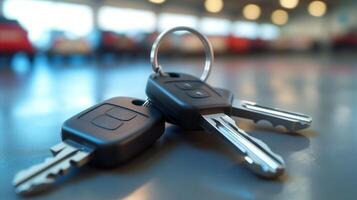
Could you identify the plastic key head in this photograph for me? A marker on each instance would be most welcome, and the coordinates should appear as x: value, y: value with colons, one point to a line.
x: 183, y: 98
x: 118, y: 128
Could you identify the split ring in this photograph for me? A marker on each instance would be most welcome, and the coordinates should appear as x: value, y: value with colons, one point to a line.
x: 206, y: 44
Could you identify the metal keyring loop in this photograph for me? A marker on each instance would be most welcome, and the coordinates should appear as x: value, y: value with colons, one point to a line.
x: 206, y: 44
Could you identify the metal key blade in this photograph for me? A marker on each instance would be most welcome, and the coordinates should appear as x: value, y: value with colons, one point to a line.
x: 39, y: 177
x: 257, y: 155
x: 292, y: 121
x: 147, y: 103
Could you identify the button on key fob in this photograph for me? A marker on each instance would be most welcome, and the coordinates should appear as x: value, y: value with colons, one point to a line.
x: 104, y: 135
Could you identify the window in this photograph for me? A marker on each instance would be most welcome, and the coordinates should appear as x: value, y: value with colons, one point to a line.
x: 41, y: 17
x: 248, y: 30
x: 124, y: 20
x: 215, y: 26
x: 168, y: 20
x: 72, y: 18
x: 268, y: 32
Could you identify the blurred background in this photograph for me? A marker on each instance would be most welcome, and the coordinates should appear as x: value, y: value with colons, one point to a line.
x: 58, y: 57
x: 100, y: 28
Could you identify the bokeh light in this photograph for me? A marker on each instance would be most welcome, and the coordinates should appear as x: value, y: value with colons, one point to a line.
x: 214, y: 6
x: 251, y: 11
x: 157, y: 1
x: 280, y: 17
x: 290, y: 4
x: 317, y: 8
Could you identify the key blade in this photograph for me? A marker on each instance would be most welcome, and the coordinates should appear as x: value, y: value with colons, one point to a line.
x: 39, y: 177
x: 292, y: 121
x: 257, y: 155
x: 147, y: 103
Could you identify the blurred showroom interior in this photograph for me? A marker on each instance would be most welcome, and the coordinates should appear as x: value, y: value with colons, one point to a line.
x: 100, y: 28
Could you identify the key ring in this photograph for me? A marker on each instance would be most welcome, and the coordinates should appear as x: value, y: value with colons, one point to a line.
x: 206, y: 44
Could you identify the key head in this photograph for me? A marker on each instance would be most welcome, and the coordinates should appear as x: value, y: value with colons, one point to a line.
x: 183, y: 98
x: 225, y: 94
x: 118, y: 129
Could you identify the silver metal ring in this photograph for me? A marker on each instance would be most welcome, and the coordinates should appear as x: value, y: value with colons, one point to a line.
x: 206, y: 44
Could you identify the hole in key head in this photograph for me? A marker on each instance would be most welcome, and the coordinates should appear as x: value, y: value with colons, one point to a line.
x: 138, y: 102
x: 174, y: 75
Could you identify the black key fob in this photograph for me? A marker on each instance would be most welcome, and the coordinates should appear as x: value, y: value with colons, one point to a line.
x: 118, y: 129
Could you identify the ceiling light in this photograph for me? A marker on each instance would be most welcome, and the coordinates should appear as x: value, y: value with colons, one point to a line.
x: 214, y: 6
x: 279, y: 17
x: 157, y: 1
x: 290, y: 4
x: 317, y: 8
x: 251, y: 11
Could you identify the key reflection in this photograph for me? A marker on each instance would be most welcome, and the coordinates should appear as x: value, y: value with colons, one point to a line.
x: 144, y: 192
x: 47, y: 98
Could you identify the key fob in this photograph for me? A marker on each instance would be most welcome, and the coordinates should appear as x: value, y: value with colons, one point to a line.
x: 225, y: 94
x: 183, y: 98
x: 118, y: 129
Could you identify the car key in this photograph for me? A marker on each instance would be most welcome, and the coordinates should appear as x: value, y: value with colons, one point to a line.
x: 104, y: 135
x: 292, y: 121
x: 190, y: 103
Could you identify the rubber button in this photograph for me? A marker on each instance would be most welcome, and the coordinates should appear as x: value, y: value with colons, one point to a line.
x: 107, y: 122
x: 198, y: 94
x: 187, y: 85
x: 121, y: 114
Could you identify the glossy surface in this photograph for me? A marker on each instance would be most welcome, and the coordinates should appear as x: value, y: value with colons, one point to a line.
x: 320, y: 162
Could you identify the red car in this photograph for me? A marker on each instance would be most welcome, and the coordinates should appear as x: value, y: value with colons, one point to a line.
x: 239, y: 45
x: 346, y: 41
x: 14, y: 39
x: 118, y: 44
